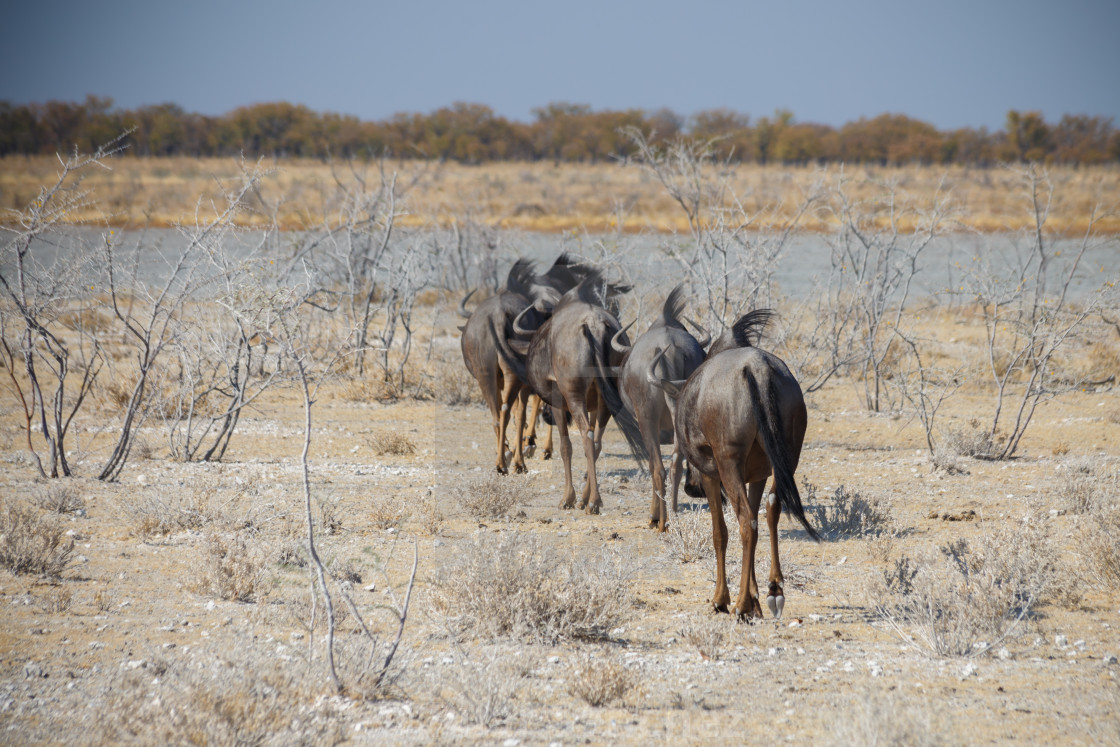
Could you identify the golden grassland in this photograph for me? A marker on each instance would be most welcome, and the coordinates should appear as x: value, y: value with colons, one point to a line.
x: 548, y: 197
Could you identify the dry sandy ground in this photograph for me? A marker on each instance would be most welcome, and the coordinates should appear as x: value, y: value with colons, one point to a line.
x: 130, y: 646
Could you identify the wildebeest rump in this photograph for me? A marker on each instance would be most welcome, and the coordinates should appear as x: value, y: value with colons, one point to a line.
x: 741, y: 418
x: 665, y: 351
x: 569, y: 364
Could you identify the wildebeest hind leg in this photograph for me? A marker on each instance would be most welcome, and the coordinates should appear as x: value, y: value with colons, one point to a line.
x: 775, y: 596
x: 722, y: 596
x: 569, y: 499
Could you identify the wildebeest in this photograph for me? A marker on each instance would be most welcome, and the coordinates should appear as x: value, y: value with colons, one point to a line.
x: 569, y: 364
x: 529, y: 297
x: 501, y: 388
x: 666, y: 351
x: 740, y: 418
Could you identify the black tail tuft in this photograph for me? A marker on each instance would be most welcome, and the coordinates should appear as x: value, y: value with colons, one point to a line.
x: 674, y: 307
x: 751, y: 325
x: 777, y: 452
x: 609, y: 391
x: 520, y: 277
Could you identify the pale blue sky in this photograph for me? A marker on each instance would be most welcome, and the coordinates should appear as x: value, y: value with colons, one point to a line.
x: 951, y: 63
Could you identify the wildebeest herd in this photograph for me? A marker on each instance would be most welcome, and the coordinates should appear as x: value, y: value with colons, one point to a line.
x: 734, y: 414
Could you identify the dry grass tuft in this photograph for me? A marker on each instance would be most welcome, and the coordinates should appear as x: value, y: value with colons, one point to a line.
x: 385, y: 510
x: 31, y: 542
x: 233, y: 569
x: 482, y: 690
x: 888, y: 720
x: 491, y: 497
x: 246, y: 695
x: 688, y: 536
x: 392, y: 443
x: 513, y: 585
x: 601, y: 680
x: 60, y: 499
x: 708, y: 636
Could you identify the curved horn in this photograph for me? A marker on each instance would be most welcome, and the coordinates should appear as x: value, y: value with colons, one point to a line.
x: 518, y: 329
x: 618, y: 346
x: 463, y: 305
x: 707, y: 335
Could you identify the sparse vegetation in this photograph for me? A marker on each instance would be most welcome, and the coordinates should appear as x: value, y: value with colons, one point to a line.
x: 599, y: 680
x: 32, y: 542
x: 491, y: 497
x: 233, y: 568
x: 849, y: 514
x: 971, y: 596
x: 512, y: 585
x: 708, y: 636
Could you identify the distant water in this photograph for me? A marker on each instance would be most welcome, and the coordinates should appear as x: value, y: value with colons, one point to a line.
x: 805, y: 257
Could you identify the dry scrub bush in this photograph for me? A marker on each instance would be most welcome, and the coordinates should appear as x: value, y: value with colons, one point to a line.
x: 385, y: 510
x: 601, y: 680
x: 392, y: 443
x: 245, y: 696
x: 428, y: 513
x: 689, y: 536
x: 233, y: 569
x: 482, y: 690
x: 448, y: 381
x: 491, y: 497
x: 1089, y: 483
x: 60, y: 499
x: 31, y: 542
x: 970, y: 441
x: 708, y: 636
x: 513, y: 585
x: 162, y: 512
x: 887, y: 720
x: 971, y: 596
x: 849, y: 515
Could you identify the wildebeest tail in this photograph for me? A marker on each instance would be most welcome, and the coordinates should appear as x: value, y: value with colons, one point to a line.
x: 747, y: 330
x: 774, y: 442
x: 508, y: 355
x: 608, y: 389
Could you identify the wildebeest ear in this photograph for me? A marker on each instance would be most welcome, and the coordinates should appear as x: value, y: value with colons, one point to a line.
x: 462, y: 328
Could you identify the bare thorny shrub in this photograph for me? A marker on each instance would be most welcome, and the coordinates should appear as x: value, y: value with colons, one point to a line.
x: 689, y: 536
x: 731, y: 255
x: 31, y: 541
x: 970, y: 596
x: 60, y: 499
x: 849, y: 514
x: 514, y: 585
x: 1025, y: 294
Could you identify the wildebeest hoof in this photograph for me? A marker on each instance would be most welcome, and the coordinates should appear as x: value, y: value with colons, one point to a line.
x: 776, y: 605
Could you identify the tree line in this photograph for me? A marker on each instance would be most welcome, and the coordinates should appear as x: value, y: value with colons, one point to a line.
x: 473, y: 133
